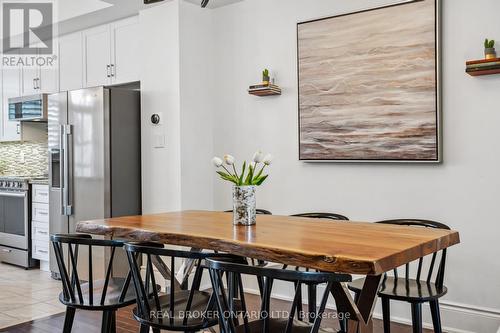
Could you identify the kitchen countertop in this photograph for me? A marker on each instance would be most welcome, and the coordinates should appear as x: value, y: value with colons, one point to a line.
x: 34, y: 179
x: 37, y: 181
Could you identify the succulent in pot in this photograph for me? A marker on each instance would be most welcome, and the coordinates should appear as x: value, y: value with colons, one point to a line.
x: 265, y: 76
x: 489, y: 49
x: 245, y: 184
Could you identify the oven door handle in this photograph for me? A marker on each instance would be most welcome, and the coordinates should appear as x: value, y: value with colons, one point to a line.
x: 13, y: 195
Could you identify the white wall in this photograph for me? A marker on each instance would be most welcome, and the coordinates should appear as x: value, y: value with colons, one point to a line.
x: 160, y: 93
x: 176, y: 76
x: 463, y: 192
x: 207, y: 110
x: 196, y: 82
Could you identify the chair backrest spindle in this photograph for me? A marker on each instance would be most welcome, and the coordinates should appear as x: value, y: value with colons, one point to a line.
x: 95, y: 294
x: 265, y: 322
x: 439, y: 279
x: 173, y: 310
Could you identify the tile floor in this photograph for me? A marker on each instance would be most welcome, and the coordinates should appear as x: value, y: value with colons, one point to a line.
x: 26, y: 295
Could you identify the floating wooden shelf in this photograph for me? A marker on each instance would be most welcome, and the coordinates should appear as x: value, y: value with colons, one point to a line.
x: 484, y: 72
x: 264, y: 90
x: 483, y: 67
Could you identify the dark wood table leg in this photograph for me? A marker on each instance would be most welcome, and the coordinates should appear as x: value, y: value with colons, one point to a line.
x: 361, y: 312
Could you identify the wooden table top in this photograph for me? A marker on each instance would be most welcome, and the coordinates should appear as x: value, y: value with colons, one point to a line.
x: 348, y: 247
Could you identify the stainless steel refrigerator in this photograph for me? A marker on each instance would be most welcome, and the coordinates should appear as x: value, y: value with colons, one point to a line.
x: 95, y: 157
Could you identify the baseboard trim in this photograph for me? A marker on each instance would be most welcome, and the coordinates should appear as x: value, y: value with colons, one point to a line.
x: 456, y: 317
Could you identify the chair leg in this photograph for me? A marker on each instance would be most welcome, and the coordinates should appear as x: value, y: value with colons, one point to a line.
x: 386, y: 312
x: 300, y: 311
x: 311, y: 295
x: 261, y: 286
x: 416, y: 315
x: 113, y: 322
x: 436, y: 316
x: 343, y: 325
x: 68, y: 319
x: 107, y: 321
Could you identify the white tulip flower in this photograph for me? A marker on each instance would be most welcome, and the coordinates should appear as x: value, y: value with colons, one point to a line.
x: 268, y: 159
x: 257, y: 157
x: 229, y: 159
x: 217, y: 162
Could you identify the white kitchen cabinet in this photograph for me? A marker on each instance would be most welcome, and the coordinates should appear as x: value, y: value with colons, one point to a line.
x: 30, y: 77
x: 40, y: 224
x: 126, y: 50
x: 97, y: 43
x: 112, y: 53
x: 48, y: 80
x: 11, y: 87
x: 36, y: 79
x: 71, y: 62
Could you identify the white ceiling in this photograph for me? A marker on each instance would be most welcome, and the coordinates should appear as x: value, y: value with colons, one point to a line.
x: 67, y: 9
x: 77, y: 15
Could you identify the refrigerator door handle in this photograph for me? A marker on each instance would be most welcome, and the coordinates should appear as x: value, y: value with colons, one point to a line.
x: 62, y: 166
x: 68, y: 132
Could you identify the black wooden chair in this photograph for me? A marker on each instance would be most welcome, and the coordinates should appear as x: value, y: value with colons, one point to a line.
x: 258, y: 211
x: 231, y: 318
x: 106, y: 295
x: 311, y: 288
x: 328, y: 216
x: 182, y: 309
x: 425, y: 286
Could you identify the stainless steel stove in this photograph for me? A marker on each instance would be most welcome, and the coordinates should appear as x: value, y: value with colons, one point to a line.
x: 15, y: 221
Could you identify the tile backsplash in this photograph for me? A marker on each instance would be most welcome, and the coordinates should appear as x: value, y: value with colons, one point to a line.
x: 35, y: 158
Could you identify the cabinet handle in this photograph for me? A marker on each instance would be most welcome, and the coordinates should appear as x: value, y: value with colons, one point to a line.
x: 113, y: 71
x: 43, y: 232
x: 6, y: 250
x: 18, y: 128
x: 108, y: 70
x: 43, y: 251
x: 34, y: 84
x: 38, y: 84
x: 43, y: 213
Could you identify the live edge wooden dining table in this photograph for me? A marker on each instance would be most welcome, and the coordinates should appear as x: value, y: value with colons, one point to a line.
x: 344, y: 247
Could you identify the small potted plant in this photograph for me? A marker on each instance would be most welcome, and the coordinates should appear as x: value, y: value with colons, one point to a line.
x: 265, y: 76
x: 245, y: 183
x: 489, y: 49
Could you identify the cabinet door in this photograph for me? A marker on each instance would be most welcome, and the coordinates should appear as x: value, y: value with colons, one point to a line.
x: 48, y: 80
x: 98, y: 56
x: 30, y: 76
x: 70, y: 62
x: 11, y: 84
x: 126, y: 50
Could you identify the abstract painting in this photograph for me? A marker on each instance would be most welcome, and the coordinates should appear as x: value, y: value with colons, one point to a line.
x: 368, y: 85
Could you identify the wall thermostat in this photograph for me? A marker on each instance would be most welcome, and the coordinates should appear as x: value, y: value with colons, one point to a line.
x: 155, y: 119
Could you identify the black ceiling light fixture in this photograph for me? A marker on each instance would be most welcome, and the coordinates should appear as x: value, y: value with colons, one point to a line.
x: 204, y: 3
x: 148, y: 2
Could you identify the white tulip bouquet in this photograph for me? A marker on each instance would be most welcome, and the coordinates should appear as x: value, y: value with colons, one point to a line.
x: 248, y: 176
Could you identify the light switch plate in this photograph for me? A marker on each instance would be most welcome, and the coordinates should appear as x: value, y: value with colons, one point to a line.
x: 158, y: 141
